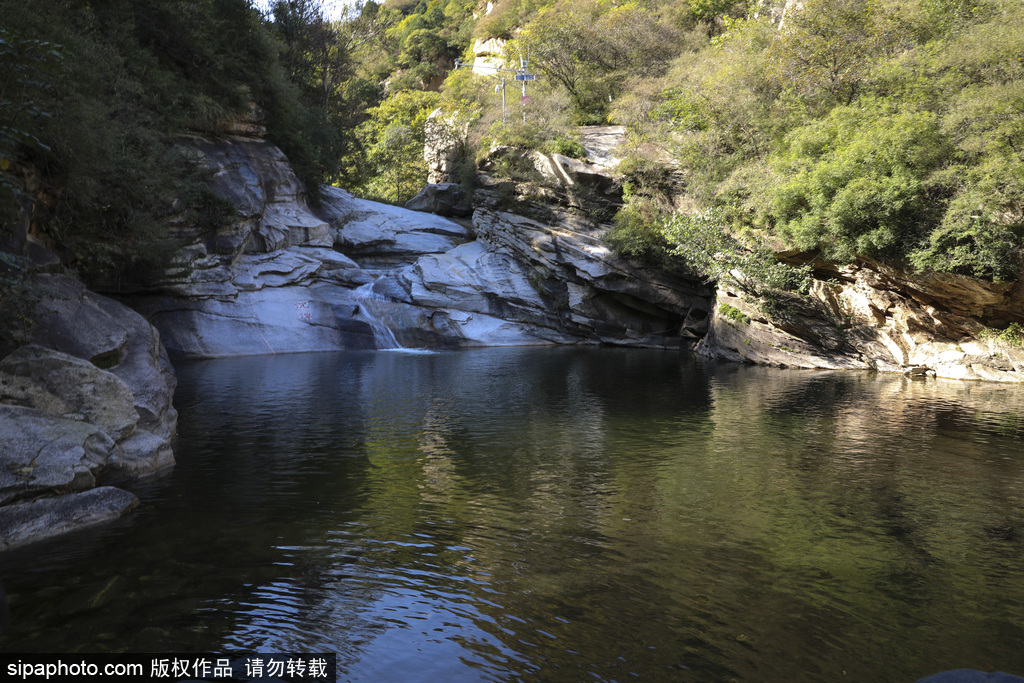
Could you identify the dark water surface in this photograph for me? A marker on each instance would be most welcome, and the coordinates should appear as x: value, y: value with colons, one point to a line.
x: 560, y: 515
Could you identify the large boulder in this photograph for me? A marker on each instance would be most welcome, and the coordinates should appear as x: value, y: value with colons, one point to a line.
x: 90, y: 401
x: 54, y: 382
x: 373, y: 233
x: 43, y: 453
x: 446, y: 199
x: 603, y: 297
x: 270, y: 201
x: 80, y: 323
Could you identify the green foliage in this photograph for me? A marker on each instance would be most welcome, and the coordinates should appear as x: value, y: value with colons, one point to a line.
x: 515, y: 134
x: 709, y: 10
x: 638, y: 233
x: 591, y: 53
x: 702, y: 240
x: 872, y: 128
x: 644, y: 177
x: 567, y: 146
x: 824, y: 53
x: 29, y: 65
x: 734, y: 314
x: 98, y: 164
x: 978, y: 246
x: 505, y: 17
x: 858, y: 182
x: 1012, y: 335
x: 393, y: 137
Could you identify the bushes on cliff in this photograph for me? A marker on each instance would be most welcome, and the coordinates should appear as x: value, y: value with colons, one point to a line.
x: 393, y: 137
x: 100, y: 172
x: 888, y: 130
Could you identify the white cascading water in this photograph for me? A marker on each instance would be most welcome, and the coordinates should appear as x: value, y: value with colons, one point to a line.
x: 372, y: 310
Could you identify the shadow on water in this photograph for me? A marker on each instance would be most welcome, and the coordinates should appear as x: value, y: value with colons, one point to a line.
x: 559, y: 514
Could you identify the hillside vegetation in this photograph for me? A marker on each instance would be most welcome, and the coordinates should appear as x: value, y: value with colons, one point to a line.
x: 879, y: 129
x: 841, y: 128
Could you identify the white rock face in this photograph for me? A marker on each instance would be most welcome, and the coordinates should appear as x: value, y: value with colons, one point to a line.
x: 429, y: 280
x: 273, y: 212
x: 365, y: 228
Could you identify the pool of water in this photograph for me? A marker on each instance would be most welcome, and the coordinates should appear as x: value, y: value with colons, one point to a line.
x: 559, y: 514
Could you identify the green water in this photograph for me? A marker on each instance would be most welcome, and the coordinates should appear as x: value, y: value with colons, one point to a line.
x: 560, y: 515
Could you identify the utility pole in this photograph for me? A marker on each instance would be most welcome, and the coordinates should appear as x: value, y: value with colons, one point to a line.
x: 521, y: 75
x: 518, y: 75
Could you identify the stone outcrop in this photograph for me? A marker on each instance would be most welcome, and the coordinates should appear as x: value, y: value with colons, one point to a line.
x: 444, y: 145
x: 877, y: 316
x: 48, y: 517
x: 601, y: 143
x: 488, y: 54
x: 89, y: 403
x: 270, y: 201
x: 287, y: 278
x: 445, y: 199
x: 428, y: 280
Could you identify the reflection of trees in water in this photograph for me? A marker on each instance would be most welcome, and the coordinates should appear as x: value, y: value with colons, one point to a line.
x: 891, y: 491
x: 496, y: 510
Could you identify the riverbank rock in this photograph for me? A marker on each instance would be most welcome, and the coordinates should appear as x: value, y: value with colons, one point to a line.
x: 57, y: 383
x: 393, y: 275
x: 355, y: 274
x: 24, y: 523
x: 877, y: 316
x: 88, y: 403
x: 271, y: 204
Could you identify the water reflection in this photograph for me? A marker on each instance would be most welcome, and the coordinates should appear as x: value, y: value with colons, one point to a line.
x: 566, y: 514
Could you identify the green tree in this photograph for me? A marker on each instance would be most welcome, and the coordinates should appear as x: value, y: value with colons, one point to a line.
x: 393, y: 137
x: 862, y: 181
x: 825, y: 49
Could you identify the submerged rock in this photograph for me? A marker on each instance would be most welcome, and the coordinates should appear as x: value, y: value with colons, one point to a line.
x: 48, y: 517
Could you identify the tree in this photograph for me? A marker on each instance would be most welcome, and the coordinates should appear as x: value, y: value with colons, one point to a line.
x: 394, y: 136
x: 825, y: 49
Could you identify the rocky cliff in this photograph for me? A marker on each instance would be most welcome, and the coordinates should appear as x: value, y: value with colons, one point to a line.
x: 355, y: 274
x: 877, y: 316
x: 89, y: 403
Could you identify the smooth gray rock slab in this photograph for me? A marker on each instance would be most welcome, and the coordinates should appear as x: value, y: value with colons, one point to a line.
x: 41, y: 452
x: 60, y: 384
x: 364, y: 227
x: 444, y: 199
x: 24, y: 523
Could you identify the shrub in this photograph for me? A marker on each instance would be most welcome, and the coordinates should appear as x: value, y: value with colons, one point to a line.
x: 860, y: 181
x: 734, y: 314
x: 638, y: 233
x: 702, y: 240
x: 567, y: 146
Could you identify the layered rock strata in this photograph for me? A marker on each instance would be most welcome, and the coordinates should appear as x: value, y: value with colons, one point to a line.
x: 877, y: 316
x: 285, y: 277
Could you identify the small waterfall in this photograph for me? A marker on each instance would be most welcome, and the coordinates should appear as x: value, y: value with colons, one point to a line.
x: 373, y: 310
